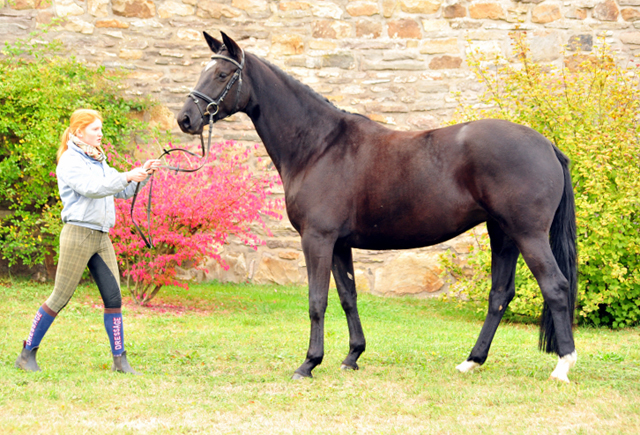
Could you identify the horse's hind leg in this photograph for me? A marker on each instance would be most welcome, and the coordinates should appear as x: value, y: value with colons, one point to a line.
x: 345, y: 282
x: 555, y: 290
x: 504, y: 256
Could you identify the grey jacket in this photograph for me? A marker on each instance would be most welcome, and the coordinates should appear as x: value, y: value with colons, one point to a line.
x: 87, y: 188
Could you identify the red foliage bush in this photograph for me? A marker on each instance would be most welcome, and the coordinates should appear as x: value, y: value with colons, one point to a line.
x: 193, y: 214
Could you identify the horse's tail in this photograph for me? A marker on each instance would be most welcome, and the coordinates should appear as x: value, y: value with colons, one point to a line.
x: 563, y: 245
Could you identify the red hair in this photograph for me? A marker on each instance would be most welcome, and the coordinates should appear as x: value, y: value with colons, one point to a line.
x: 80, y: 119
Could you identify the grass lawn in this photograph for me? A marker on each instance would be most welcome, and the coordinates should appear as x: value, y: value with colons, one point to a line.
x: 219, y: 359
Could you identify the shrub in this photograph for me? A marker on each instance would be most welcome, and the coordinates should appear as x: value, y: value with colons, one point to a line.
x: 39, y: 90
x: 193, y: 214
x: 588, y: 108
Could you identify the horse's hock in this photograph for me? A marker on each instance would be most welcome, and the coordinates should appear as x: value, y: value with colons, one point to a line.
x: 398, y: 62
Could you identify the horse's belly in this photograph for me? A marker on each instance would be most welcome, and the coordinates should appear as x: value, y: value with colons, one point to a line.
x: 404, y: 236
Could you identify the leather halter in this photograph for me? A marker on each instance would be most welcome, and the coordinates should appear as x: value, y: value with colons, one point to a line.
x: 211, y: 103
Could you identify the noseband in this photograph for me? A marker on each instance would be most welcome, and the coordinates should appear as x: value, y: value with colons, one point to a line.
x: 211, y: 104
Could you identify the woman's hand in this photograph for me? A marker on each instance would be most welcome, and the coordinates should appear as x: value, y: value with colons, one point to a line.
x: 136, y: 174
x: 151, y: 165
x: 141, y: 174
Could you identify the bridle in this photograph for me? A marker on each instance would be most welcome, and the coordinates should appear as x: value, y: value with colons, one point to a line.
x: 211, y: 103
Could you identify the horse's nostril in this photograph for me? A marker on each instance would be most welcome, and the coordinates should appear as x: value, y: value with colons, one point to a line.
x: 184, y: 122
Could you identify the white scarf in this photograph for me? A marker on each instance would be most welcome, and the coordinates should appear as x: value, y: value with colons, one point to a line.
x: 95, y: 152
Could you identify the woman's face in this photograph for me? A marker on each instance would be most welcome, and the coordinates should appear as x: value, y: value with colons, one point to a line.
x: 92, y: 133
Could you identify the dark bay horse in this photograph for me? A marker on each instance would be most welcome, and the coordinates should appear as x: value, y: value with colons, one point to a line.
x: 352, y: 183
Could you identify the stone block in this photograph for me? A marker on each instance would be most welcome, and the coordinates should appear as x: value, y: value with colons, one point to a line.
x: 360, y: 9
x: 75, y: 24
x: 455, y: 11
x: 171, y: 9
x: 368, y: 29
x: 189, y: 35
x: 606, y: 11
x: 545, y: 46
x: 490, y: 11
x: 420, y: 6
x: 273, y: 270
x: 406, y: 28
x: 445, y: 62
x: 330, y: 29
x: 98, y: 8
x: 112, y: 23
x: 236, y: 272
x: 437, y: 46
x: 326, y: 10
x: 545, y: 13
x: 253, y: 8
x: 134, y: 8
x: 631, y: 38
x: 580, y: 43
x: 338, y: 60
x: 629, y: 14
x: 409, y: 274
x: 388, y: 8
x: 286, y: 45
x: 363, y: 284
x: 294, y: 6
x: 213, y: 9
x: 68, y: 8
x: 130, y: 54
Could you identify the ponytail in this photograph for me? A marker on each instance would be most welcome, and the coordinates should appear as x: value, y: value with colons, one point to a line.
x: 63, y: 143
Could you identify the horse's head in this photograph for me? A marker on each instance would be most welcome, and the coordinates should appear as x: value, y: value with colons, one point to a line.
x: 219, y: 91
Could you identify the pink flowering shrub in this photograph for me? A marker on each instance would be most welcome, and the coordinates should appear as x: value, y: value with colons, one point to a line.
x: 193, y: 214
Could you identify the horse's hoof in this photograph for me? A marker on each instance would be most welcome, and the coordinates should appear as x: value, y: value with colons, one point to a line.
x: 467, y: 366
x: 564, y: 364
x: 297, y: 376
x: 349, y: 368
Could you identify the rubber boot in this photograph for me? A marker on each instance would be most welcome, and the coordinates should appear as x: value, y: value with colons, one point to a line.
x: 120, y: 364
x: 27, y: 360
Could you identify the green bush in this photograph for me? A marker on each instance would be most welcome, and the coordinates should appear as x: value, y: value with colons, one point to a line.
x: 589, y: 109
x: 38, y: 92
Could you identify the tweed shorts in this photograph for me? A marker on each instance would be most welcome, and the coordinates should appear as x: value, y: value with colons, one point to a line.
x: 77, y: 245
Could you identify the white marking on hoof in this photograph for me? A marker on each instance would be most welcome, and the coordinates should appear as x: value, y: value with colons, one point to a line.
x: 297, y: 377
x: 467, y: 366
x: 564, y: 364
x: 347, y: 368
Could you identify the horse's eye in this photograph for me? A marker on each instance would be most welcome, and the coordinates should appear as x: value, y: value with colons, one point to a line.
x: 223, y: 75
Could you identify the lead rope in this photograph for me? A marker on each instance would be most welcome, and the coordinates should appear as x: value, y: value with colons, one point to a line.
x: 205, y: 155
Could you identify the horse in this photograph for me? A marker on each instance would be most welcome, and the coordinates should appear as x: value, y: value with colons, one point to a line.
x: 349, y: 182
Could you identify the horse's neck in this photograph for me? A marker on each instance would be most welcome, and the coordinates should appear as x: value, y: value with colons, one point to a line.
x: 291, y: 121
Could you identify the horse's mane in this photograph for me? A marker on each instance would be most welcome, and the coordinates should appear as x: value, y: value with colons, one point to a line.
x: 288, y: 79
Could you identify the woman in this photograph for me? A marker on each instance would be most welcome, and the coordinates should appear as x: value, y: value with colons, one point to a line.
x: 87, y: 187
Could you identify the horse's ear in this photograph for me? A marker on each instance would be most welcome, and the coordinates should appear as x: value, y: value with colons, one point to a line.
x: 234, y: 49
x: 214, y: 44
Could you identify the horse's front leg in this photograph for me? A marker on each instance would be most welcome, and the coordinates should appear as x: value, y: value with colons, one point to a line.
x: 318, y: 252
x: 345, y: 282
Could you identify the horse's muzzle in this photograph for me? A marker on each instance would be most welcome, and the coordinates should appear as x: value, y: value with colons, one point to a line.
x: 190, y: 124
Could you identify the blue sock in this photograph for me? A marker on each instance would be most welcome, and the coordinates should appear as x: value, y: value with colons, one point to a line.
x: 113, y: 325
x: 40, y: 326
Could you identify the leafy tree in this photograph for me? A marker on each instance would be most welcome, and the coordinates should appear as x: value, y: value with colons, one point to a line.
x: 589, y: 109
x: 193, y: 215
x: 39, y: 90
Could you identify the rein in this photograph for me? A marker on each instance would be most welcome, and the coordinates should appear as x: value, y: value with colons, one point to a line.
x: 211, y: 103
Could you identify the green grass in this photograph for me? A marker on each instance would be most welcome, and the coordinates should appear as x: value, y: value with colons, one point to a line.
x: 219, y: 359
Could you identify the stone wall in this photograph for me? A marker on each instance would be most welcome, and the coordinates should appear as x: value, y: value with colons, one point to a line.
x: 397, y: 61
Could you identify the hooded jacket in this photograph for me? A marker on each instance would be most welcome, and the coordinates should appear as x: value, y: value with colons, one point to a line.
x: 87, y: 188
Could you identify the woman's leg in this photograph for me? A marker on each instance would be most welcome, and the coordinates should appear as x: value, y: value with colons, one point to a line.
x: 77, y: 245
x: 104, y: 268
